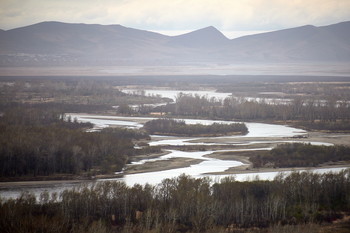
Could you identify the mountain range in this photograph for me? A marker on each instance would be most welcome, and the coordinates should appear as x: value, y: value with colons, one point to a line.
x: 65, y: 44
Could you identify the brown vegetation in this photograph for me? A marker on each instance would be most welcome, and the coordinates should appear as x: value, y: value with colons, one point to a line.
x: 298, y: 202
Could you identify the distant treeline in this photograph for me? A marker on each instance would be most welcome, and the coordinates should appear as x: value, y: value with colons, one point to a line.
x: 167, y: 126
x: 94, y: 94
x: 330, y: 114
x: 339, y: 125
x: 308, y: 86
x: 57, y: 107
x: 34, y: 142
x: 301, y: 155
x: 38, y: 115
x: 185, y: 204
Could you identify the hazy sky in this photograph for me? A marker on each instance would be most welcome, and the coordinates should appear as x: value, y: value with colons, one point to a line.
x: 176, y: 16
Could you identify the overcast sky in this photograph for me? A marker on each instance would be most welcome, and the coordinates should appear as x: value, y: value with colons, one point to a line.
x: 177, y: 16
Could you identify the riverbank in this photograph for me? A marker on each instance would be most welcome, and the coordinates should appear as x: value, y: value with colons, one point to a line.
x: 316, y: 137
x: 234, y: 143
x: 52, y: 181
x: 49, y: 178
x: 157, y: 165
x: 68, y: 179
x: 334, y: 137
x: 143, y: 118
x: 38, y: 183
x: 248, y: 168
x: 242, y: 148
x: 161, y: 165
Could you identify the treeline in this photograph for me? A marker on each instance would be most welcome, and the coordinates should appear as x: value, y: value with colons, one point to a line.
x: 34, y: 142
x: 339, y: 126
x: 167, y: 126
x: 315, y: 87
x: 97, y: 92
x: 185, y: 204
x: 37, y: 115
x: 57, y: 107
x: 301, y: 155
x: 315, y: 113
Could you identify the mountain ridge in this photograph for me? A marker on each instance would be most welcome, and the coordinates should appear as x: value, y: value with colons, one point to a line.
x: 53, y: 43
x: 208, y: 36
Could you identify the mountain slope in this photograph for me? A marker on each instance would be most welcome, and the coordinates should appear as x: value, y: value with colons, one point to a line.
x: 63, y: 44
x: 341, y: 30
x: 61, y: 38
x: 306, y: 43
x: 208, y: 37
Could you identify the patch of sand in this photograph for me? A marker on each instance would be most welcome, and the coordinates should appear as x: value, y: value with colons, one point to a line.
x: 161, y: 165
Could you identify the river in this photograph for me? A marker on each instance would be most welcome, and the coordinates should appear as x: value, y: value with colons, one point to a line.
x: 259, y: 134
x: 209, y: 94
x: 219, y: 96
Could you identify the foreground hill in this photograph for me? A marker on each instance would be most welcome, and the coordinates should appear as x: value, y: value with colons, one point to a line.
x: 63, y: 44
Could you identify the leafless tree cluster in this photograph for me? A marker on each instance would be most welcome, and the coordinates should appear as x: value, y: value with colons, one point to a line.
x: 185, y: 204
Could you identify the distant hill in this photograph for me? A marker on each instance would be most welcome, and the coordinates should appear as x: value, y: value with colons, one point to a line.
x: 306, y: 43
x: 63, y: 44
x: 208, y: 37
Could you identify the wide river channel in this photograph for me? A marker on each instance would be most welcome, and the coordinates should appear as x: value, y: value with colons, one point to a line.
x: 261, y: 136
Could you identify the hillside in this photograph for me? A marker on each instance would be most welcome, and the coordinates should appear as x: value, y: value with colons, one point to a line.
x: 63, y: 44
x: 306, y: 43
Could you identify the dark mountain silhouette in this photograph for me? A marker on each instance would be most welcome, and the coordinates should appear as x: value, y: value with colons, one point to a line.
x: 63, y: 44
